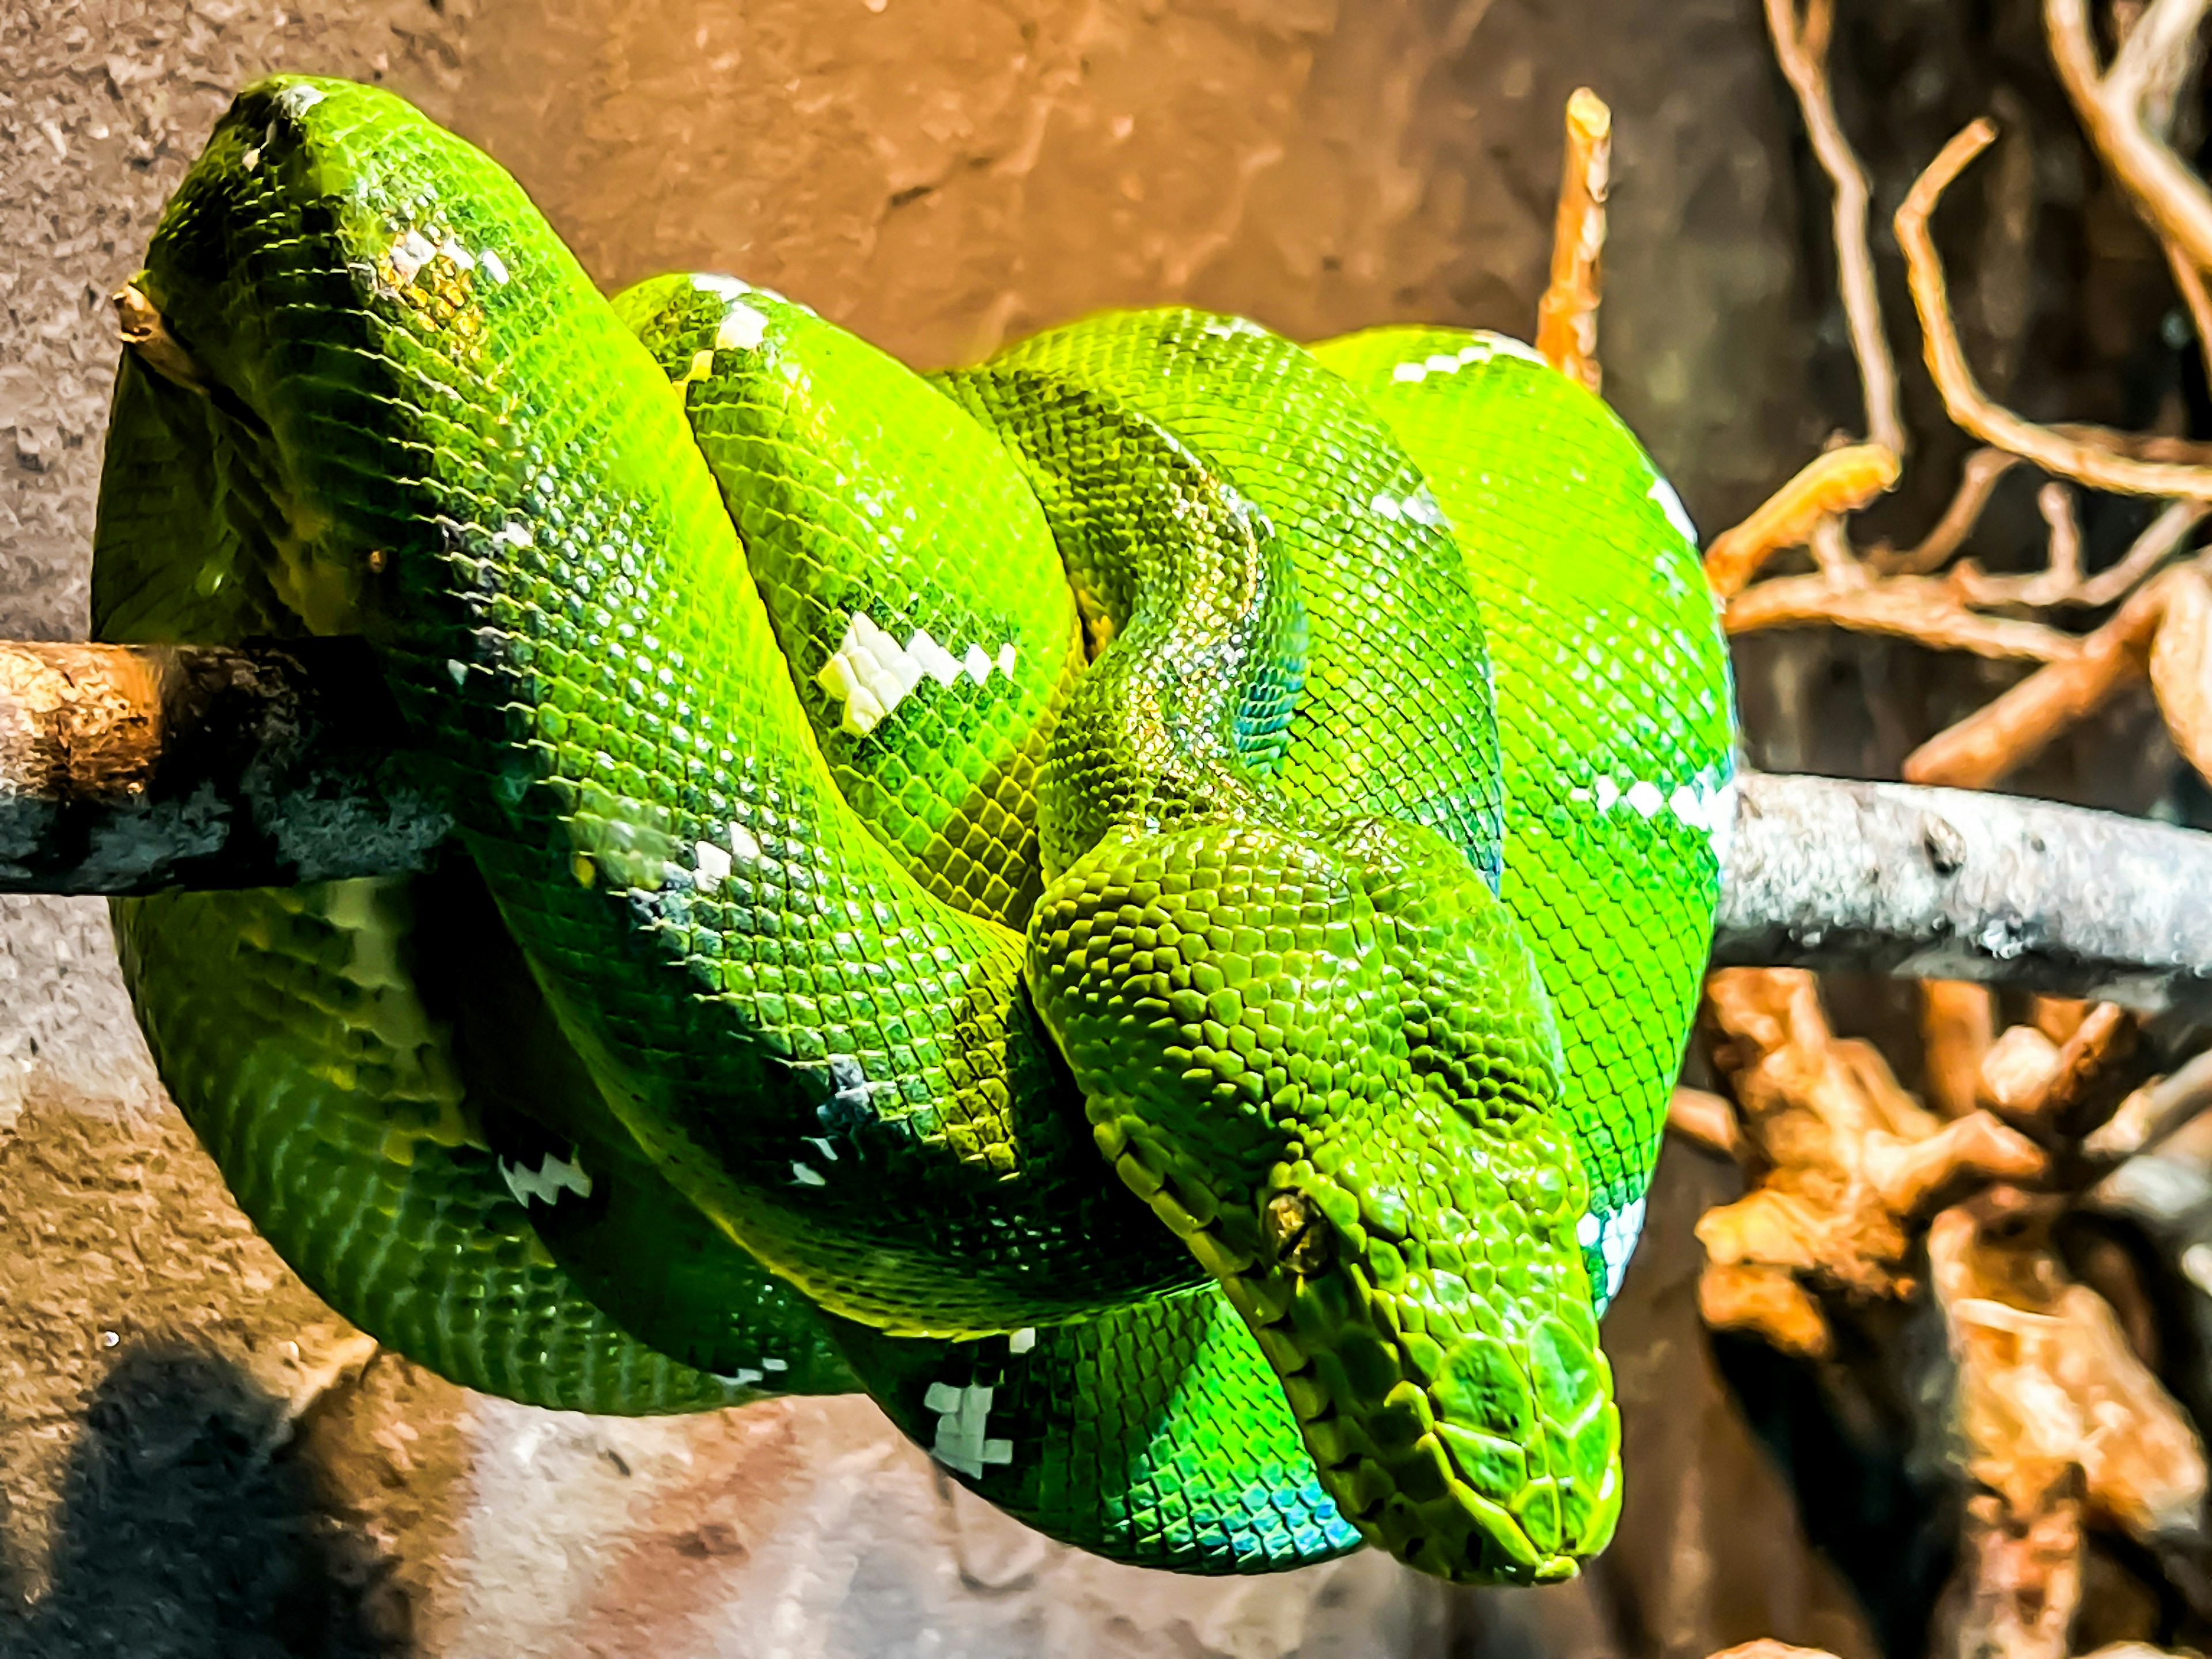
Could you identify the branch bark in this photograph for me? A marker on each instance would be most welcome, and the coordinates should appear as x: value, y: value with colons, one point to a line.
x: 126, y: 769
x: 1948, y: 884
x: 129, y: 769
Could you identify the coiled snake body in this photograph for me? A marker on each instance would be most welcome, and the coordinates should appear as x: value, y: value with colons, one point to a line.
x: 1295, y: 775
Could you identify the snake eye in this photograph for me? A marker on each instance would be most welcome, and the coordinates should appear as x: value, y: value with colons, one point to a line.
x: 1298, y: 1235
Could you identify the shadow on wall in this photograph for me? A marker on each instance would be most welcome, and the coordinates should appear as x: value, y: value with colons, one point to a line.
x: 193, y: 1524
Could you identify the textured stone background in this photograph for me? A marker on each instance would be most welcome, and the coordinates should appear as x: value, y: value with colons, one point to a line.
x: 196, y: 1457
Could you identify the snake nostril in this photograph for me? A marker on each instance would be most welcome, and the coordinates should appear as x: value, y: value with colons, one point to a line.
x: 1298, y: 1235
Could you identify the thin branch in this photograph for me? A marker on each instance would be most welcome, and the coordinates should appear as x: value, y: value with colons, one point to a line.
x: 2126, y: 112
x: 1566, y: 316
x: 2086, y: 459
x: 1931, y: 610
x: 1836, y: 482
x: 2012, y: 729
x: 2172, y: 197
x: 1803, y: 50
x: 2159, y: 539
x: 1977, y: 481
x: 1943, y: 883
x: 125, y: 770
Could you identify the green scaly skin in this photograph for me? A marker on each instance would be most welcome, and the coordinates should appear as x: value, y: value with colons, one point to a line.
x: 712, y: 1062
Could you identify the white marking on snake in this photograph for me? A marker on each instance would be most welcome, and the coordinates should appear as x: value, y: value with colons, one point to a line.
x: 1022, y: 1340
x: 1671, y: 505
x: 709, y: 863
x: 513, y: 532
x: 459, y: 255
x: 1481, y: 349
x: 872, y: 673
x: 807, y: 1178
x: 410, y: 253
x: 743, y: 329
x: 495, y: 267
x: 1617, y: 1244
x: 702, y: 366
x: 936, y: 662
x: 963, y: 1417
x: 297, y: 100
x: 547, y: 1182
x: 775, y: 1364
x: 1643, y: 798
x: 1228, y: 328
x: 743, y: 1379
x: 743, y: 844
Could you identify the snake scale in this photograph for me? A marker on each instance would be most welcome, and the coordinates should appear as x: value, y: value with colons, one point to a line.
x: 1138, y: 901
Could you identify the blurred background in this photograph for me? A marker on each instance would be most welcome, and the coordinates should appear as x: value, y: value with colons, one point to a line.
x: 197, y: 1458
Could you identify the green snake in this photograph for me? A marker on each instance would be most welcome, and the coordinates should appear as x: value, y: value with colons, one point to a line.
x: 1138, y: 901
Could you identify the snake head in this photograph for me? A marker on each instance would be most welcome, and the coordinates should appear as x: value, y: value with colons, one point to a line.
x: 1328, y: 1063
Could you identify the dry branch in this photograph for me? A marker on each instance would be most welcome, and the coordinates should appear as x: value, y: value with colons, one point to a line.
x: 1978, y: 480
x: 1837, y: 482
x: 2088, y: 455
x: 124, y: 770
x: 1843, y: 1159
x: 1802, y: 47
x: 2010, y: 730
x: 1566, y: 316
x: 2172, y: 196
x: 1931, y: 610
x: 129, y: 768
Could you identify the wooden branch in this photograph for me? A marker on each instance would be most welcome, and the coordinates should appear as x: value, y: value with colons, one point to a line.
x: 1978, y: 480
x: 2012, y: 728
x: 1942, y: 884
x: 125, y: 770
x: 1931, y: 610
x: 131, y: 768
x: 2170, y: 196
x: 1566, y: 316
x: 1837, y: 482
x: 2088, y: 455
x: 1801, y: 48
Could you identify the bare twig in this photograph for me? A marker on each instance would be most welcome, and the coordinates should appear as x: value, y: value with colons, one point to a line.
x: 2172, y: 197
x: 1802, y: 47
x: 1843, y: 1158
x: 1931, y: 610
x: 2159, y: 541
x: 2060, y: 576
x: 1977, y: 479
x: 283, y: 765
x: 1706, y: 1118
x: 2011, y: 729
x: 1958, y: 1024
x: 2181, y: 663
x: 1566, y: 316
x: 1837, y: 482
x: 2046, y: 1372
x: 2086, y: 456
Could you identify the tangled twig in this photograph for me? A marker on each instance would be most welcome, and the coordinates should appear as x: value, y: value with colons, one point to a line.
x: 1566, y: 316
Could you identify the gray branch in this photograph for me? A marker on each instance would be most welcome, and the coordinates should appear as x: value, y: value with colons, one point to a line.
x: 124, y: 770
x: 1951, y: 883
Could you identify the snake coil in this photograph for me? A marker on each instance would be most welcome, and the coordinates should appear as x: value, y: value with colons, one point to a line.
x: 1137, y: 901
